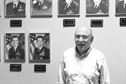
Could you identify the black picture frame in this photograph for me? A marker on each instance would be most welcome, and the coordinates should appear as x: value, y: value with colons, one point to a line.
x: 38, y: 53
x: 100, y: 9
x: 71, y: 10
x: 120, y: 8
x: 41, y: 8
x: 12, y: 53
x: 15, y: 9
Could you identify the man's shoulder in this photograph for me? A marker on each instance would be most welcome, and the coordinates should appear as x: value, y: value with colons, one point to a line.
x: 97, y: 53
x: 69, y: 51
x: 11, y: 3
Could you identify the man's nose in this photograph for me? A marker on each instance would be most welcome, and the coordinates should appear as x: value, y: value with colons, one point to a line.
x: 80, y: 39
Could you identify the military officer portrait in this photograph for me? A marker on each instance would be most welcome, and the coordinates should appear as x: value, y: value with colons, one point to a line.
x: 41, y: 8
x: 15, y: 8
x: 121, y: 7
x: 97, y: 7
x: 15, y: 47
x: 68, y: 7
x: 39, y: 47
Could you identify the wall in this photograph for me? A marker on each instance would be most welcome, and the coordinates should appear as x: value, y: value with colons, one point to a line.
x: 111, y: 40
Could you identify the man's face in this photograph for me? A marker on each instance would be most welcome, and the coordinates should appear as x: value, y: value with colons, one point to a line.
x: 40, y: 42
x: 83, y: 40
x: 15, y: 42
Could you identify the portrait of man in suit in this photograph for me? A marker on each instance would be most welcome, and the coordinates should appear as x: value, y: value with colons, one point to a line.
x: 15, y: 46
x: 41, y: 7
x: 39, y: 47
x: 121, y: 7
x: 97, y: 7
x: 69, y: 7
x: 15, y: 8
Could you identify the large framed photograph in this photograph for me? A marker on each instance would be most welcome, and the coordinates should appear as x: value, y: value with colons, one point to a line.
x: 120, y: 8
x: 15, y: 8
x: 41, y: 8
x: 68, y: 8
x: 97, y: 8
x: 39, y: 47
x: 14, y: 47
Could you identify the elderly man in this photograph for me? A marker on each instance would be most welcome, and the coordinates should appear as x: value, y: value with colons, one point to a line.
x: 83, y: 64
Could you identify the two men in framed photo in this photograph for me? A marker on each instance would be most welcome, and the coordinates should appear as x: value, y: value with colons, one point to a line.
x: 39, y: 47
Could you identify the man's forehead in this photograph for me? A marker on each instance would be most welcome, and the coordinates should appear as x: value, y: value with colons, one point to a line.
x: 83, y: 31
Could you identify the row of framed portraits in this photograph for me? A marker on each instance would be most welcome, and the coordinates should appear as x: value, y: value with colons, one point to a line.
x: 38, y: 47
x: 66, y: 8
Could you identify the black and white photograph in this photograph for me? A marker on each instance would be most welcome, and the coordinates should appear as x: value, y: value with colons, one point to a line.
x: 120, y: 7
x: 68, y: 8
x: 15, y: 47
x: 41, y: 8
x: 15, y: 8
x: 39, y: 47
x: 97, y: 8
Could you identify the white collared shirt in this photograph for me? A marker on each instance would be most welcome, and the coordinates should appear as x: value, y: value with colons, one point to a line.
x: 89, y: 70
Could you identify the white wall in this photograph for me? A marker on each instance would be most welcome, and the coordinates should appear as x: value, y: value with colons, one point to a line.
x: 111, y: 39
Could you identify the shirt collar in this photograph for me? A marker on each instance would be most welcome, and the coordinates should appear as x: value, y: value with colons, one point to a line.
x: 83, y: 55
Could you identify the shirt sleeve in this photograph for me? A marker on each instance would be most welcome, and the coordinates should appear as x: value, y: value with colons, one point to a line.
x: 61, y: 76
x: 104, y: 73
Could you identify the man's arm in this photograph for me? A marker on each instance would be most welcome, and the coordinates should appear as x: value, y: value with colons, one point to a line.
x: 61, y: 77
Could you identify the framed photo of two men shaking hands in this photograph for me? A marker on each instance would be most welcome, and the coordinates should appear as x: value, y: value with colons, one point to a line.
x: 15, y: 8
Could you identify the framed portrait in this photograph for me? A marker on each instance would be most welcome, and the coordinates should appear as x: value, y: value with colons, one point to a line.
x: 68, y: 8
x: 41, y: 8
x: 14, y: 47
x: 97, y: 8
x: 15, y: 8
x: 120, y: 8
x: 39, y: 47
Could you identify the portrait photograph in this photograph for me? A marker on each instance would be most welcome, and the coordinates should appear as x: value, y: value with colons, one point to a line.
x: 41, y: 8
x: 39, y: 47
x: 14, y: 47
x: 68, y: 8
x: 120, y: 8
x: 15, y: 8
x: 97, y: 8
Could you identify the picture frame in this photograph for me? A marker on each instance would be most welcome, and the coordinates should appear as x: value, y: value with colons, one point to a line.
x: 68, y: 8
x: 97, y: 8
x: 120, y: 8
x: 14, y: 47
x: 41, y: 8
x: 15, y: 8
x: 39, y: 47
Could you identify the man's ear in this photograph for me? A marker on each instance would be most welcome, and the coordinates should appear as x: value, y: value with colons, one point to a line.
x: 92, y: 38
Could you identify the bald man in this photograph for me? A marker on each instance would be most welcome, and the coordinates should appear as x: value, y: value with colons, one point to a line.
x: 83, y: 64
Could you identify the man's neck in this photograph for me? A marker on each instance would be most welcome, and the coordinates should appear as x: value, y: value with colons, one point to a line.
x: 82, y: 54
